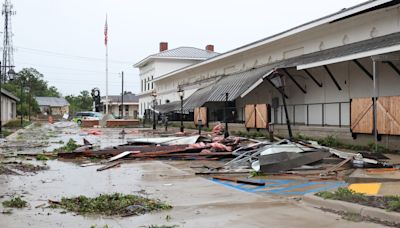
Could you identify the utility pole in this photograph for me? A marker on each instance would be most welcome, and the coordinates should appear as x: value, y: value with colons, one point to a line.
x: 122, y: 96
x: 8, y: 49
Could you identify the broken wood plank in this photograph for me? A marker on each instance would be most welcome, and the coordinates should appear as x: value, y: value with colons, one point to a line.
x: 241, y: 181
x: 109, y: 166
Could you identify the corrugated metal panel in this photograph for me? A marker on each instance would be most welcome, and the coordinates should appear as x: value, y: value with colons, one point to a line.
x: 52, y: 101
x: 234, y: 85
x: 169, y: 107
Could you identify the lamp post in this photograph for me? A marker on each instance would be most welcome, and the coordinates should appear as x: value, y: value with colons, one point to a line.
x: 277, y: 80
x: 154, y: 95
x: 226, y: 133
x: 181, y: 94
x: 11, y: 74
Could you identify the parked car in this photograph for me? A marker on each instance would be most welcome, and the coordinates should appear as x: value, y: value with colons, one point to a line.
x: 79, y: 116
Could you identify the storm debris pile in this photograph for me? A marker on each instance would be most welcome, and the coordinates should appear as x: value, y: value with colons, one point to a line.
x: 111, y: 205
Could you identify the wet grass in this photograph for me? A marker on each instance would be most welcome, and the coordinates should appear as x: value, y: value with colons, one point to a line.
x: 389, y: 203
x: 111, y: 204
x: 16, y: 202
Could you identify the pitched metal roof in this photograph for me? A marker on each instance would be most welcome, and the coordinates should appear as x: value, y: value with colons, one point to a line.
x: 52, y: 101
x: 128, y: 98
x: 9, y: 94
x: 180, y: 53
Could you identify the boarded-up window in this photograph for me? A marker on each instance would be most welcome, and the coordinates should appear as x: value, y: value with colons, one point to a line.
x: 257, y: 116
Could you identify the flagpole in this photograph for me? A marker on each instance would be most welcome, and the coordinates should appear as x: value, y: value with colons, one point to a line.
x: 106, y: 43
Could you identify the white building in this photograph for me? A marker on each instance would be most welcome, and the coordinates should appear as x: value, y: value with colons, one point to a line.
x: 131, y: 105
x: 8, y: 106
x: 326, y: 64
x: 166, y: 61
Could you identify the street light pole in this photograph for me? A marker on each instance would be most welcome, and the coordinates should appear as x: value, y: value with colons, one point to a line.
x: 122, y: 97
x: 181, y: 93
x: 226, y: 133
x: 154, y: 94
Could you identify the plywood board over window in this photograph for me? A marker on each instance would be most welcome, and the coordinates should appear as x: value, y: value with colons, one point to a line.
x: 200, y: 114
x: 257, y: 116
x: 362, y: 115
x: 388, y: 115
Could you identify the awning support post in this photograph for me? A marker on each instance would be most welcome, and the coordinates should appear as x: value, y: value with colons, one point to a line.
x: 332, y: 77
x: 374, y: 99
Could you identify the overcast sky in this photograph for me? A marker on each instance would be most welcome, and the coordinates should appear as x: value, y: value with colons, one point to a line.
x: 64, y: 39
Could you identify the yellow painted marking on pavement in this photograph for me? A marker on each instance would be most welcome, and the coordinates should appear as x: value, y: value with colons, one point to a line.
x: 367, y: 188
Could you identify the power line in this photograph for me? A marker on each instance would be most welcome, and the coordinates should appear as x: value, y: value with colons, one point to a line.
x: 38, y: 51
x: 65, y: 68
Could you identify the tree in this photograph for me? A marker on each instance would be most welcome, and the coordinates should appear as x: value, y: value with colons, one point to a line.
x: 33, y: 85
x: 82, y: 102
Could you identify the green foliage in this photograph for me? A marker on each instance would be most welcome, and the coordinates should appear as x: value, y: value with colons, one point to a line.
x: 394, y: 205
x: 344, y: 194
x: 41, y: 157
x: 254, y: 173
x: 70, y: 146
x: 15, y: 202
x: 111, y: 204
x: 82, y: 102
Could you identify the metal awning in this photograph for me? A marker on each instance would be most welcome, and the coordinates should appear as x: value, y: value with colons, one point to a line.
x: 169, y: 107
x: 234, y: 84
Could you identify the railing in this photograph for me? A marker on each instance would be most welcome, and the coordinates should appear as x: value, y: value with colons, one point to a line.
x: 314, y: 114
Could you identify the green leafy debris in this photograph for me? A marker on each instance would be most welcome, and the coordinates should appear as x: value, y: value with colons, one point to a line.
x: 15, y: 202
x: 111, y: 204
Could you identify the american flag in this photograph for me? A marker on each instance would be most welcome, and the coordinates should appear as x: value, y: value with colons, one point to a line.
x: 105, y: 33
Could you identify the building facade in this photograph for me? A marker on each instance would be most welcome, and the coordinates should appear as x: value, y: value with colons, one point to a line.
x: 325, y: 65
x: 166, y: 61
x: 56, y: 106
x: 8, y: 106
x: 130, y: 107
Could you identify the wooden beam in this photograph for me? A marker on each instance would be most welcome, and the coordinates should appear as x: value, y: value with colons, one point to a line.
x: 363, y: 69
x: 393, y: 67
x: 312, y: 77
x: 294, y: 80
x: 332, y: 77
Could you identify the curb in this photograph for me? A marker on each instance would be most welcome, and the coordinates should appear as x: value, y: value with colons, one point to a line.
x: 366, y: 211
